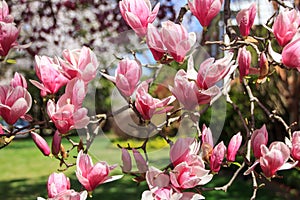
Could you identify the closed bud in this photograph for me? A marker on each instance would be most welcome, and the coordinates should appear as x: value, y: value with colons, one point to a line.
x: 245, y: 19
x: 259, y: 137
x: 56, y: 142
x: 140, y: 161
x: 217, y: 157
x: 41, y: 143
x: 126, y: 159
x: 234, y: 146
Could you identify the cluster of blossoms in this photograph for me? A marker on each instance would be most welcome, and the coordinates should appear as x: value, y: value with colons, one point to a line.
x: 276, y: 156
x: 194, y: 161
x: 187, y: 170
x: 8, y: 30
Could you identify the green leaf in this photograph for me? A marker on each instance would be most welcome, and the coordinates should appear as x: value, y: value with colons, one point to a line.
x: 11, y: 61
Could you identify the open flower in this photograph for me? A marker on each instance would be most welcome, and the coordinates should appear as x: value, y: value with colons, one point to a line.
x: 67, y: 116
x: 8, y: 36
x: 57, y: 183
x: 184, y: 176
x: 126, y: 77
x: 211, y: 71
x: 185, y: 91
x: 4, y: 13
x: 290, y: 54
x: 295, y: 151
x: 15, y: 102
x: 48, y: 71
x: 274, y: 158
x: 81, y: 63
x: 147, y: 105
x: 185, y: 150
x: 205, y: 10
x: 177, y: 40
x: 245, y: 19
x: 138, y: 14
x: 90, y: 175
x: 286, y: 25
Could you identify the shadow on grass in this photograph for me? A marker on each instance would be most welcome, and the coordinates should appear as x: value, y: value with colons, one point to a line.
x: 30, y: 189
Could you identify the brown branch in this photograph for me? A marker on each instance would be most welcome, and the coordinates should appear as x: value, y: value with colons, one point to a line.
x: 237, y: 109
x: 181, y: 14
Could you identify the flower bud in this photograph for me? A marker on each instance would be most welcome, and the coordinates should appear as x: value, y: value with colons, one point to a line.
x: 126, y: 159
x: 245, y: 19
x: 18, y: 80
x: 140, y: 161
x: 259, y: 137
x: 56, y: 141
x: 41, y: 143
x: 217, y: 157
x: 244, y: 61
x: 234, y: 146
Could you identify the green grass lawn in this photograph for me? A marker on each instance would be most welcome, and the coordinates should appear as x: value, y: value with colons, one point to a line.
x: 24, y: 173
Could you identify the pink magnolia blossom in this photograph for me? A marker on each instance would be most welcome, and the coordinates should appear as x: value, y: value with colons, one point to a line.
x: 155, y: 43
x: 18, y: 80
x: 184, y: 176
x: 211, y: 71
x: 90, y: 175
x: 147, y: 105
x: 126, y: 160
x: 188, y: 93
x: 127, y: 76
x: 259, y: 137
x: 1, y: 130
x: 81, y: 63
x: 57, y: 183
x: 207, y: 136
x: 185, y: 91
x: 8, y: 36
x: 176, y: 39
x: 49, y: 73
x: 217, y: 157
x: 274, y: 158
x: 185, y: 150
x: 295, y: 151
x: 290, y: 54
x: 245, y: 19
x: 138, y: 14
x: 66, y: 116
x: 205, y: 10
x: 75, y: 93
x: 285, y: 26
x: 41, y: 143
x: 141, y: 163
x: 15, y: 102
x: 207, y: 143
x: 157, y: 179
x: 4, y: 13
x: 244, y: 61
x: 234, y: 146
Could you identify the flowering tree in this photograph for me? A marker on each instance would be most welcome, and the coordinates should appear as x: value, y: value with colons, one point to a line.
x: 196, y: 86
